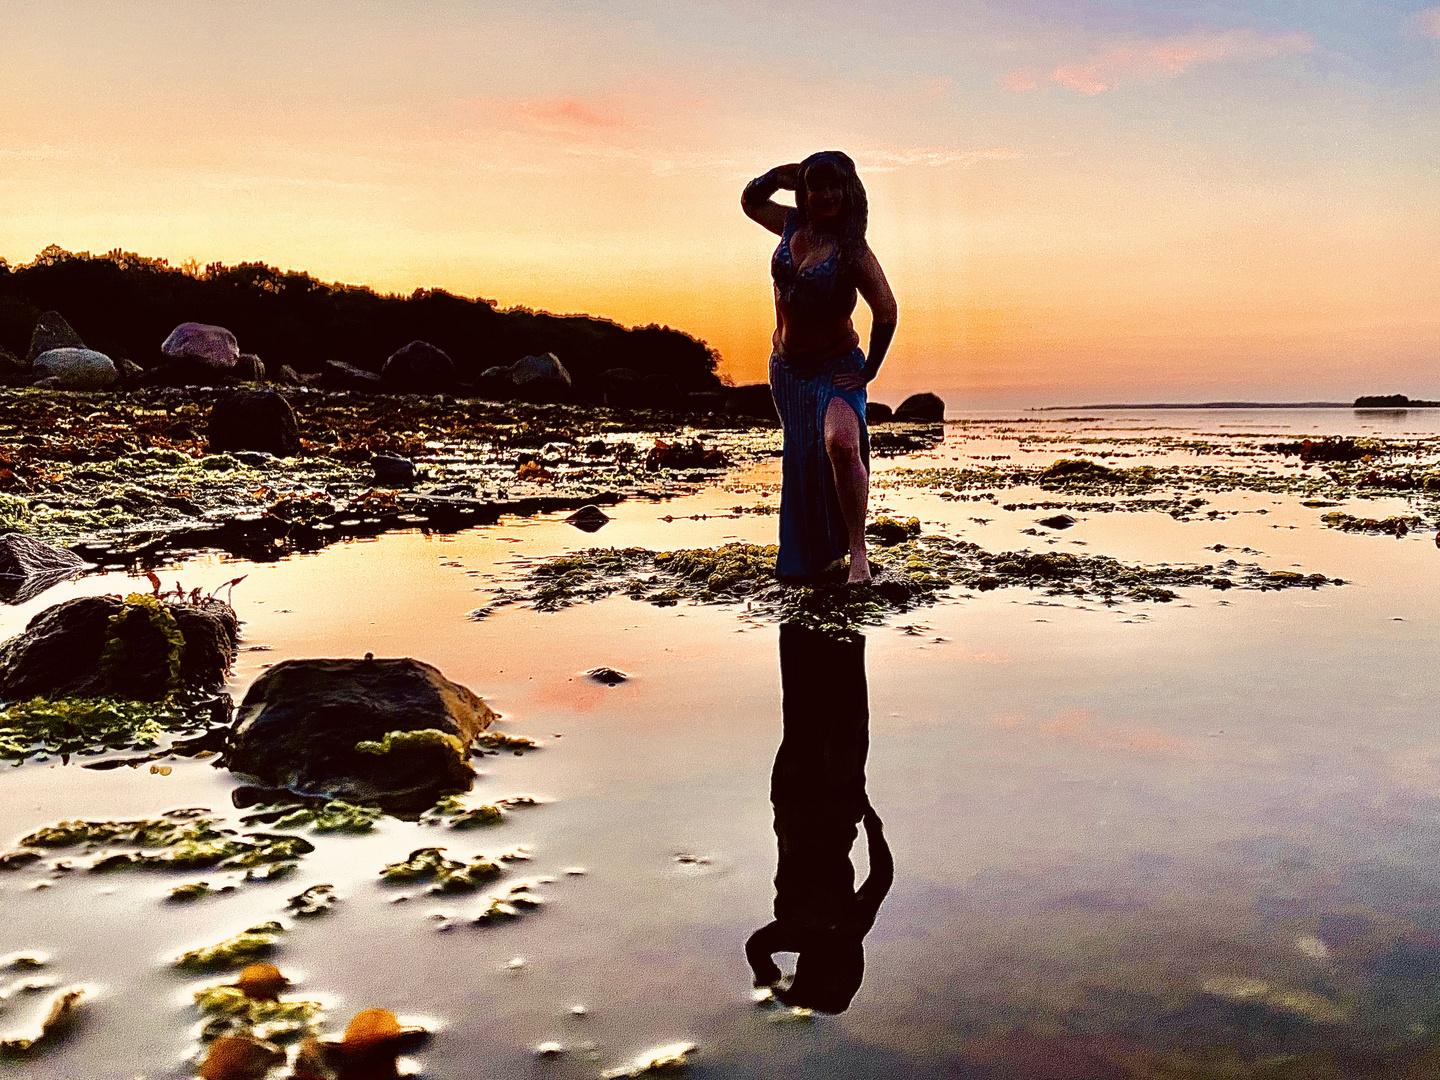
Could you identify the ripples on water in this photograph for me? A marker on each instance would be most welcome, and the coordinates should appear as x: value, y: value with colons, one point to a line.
x: 1194, y: 838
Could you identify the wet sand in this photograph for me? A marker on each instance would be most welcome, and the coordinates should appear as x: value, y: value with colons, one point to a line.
x: 1138, y: 839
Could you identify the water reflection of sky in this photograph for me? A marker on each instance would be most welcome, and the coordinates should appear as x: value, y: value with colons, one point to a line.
x: 1193, y: 835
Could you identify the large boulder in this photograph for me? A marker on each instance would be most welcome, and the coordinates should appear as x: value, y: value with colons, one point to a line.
x: 249, y: 368
x: 76, y: 369
x: 921, y: 408
x: 393, y: 731
x: 877, y: 412
x: 214, y: 346
x: 540, y: 378
x: 52, y: 332
x: 419, y: 368
x: 140, y: 648
x: 28, y: 567
x: 253, y: 420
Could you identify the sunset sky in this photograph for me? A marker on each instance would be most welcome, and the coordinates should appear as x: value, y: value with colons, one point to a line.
x: 1074, y: 200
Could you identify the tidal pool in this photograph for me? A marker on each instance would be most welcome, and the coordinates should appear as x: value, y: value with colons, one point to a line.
x: 1195, y: 838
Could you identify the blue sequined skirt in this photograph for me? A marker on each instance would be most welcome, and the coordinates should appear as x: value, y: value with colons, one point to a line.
x: 812, y: 528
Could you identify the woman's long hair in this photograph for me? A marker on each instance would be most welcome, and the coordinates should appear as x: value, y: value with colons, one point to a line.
x: 854, y: 210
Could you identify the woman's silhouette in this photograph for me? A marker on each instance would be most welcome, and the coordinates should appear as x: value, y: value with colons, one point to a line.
x: 817, y: 372
x: 818, y: 791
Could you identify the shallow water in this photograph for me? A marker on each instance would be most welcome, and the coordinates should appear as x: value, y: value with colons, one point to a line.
x: 1127, y: 836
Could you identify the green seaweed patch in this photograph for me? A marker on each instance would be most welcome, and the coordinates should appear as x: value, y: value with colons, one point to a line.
x: 229, y: 1011
x: 916, y: 571
x: 498, y: 740
x: 186, y: 843
x: 316, y: 900
x: 244, y: 948
x: 51, y: 726
x: 193, y: 891
x: 422, y: 742
x: 336, y: 816
x: 15, y: 514
x: 1397, y: 526
x: 429, y: 865
x: 457, y: 815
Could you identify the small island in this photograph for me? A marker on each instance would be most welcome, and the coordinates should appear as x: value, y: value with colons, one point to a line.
x: 1393, y: 401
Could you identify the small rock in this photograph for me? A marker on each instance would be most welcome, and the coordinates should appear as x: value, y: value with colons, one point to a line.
x: 607, y: 675
x: 254, y: 420
x: 51, y: 332
x: 131, y: 373
x: 76, y: 369
x: 212, y: 345
x: 256, y: 459
x: 28, y: 567
x: 921, y: 408
x: 419, y: 368
x: 249, y: 368
x: 549, y: 1049
x: 393, y: 471
x: 878, y: 413
x: 338, y: 375
x: 287, y: 375
x: 1058, y: 521
x: 540, y: 378
x: 589, y: 518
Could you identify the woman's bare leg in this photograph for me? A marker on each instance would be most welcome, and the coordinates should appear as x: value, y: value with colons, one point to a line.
x: 852, y: 482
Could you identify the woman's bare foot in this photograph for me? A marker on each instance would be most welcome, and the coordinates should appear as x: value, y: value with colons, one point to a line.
x: 859, y: 570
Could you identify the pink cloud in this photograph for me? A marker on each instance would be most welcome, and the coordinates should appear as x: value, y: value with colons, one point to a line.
x: 570, y: 114
x: 1144, y: 61
x: 1428, y: 22
x: 1020, y: 80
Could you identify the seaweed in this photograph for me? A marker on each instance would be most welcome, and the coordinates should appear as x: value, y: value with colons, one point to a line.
x: 233, y: 952
x: 228, y: 1010
x: 44, y: 727
x: 460, y: 816
x: 444, y: 875
x: 316, y: 900
x: 409, y: 742
x: 498, y: 740
x: 56, y: 1020
x: 336, y: 816
x: 185, y: 843
x: 1397, y: 526
x: 888, y: 530
x: 115, y: 657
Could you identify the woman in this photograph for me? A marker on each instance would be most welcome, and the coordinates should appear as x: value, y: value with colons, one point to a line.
x: 818, y: 373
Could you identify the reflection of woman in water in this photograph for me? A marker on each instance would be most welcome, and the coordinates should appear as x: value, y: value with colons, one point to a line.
x: 817, y: 372
x: 818, y: 792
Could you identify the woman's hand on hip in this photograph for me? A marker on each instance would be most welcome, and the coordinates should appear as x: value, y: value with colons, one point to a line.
x: 850, y: 380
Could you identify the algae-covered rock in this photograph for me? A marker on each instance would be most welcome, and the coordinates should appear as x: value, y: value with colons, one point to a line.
x: 394, y: 732
x: 240, y: 1057
x: 178, y: 841
x: 459, y: 816
x: 140, y: 648
x: 316, y: 900
x: 889, y: 530
x: 244, y: 948
x: 336, y: 816
x: 233, y: 1010
x: 76, y: 369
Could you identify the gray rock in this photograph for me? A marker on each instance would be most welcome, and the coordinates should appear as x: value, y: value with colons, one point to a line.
x: 76, y: 369
x: 249, y: 368
x: 28, y: 567
x: 419, y: 368
x: 1058, y: 521
x: 607, y: 675
x: 253, y: 420
x: 214, y: 345
x: 540, y: 378
x: 921, y: 408
x: 878, y: 413
x: 301, y: 722
x: 397, y: 471
x: 131, y: 373
x: 51, y: 332
x: 61, y: 651
x: 287, y: 375
x: 256, y: 459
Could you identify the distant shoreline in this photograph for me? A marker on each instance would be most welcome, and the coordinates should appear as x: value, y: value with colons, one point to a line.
x: 1243, y: 405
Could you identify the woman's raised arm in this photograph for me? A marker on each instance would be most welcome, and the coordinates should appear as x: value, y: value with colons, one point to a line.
x: 756, y: 202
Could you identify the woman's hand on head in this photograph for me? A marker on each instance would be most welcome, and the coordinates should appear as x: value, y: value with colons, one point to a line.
x: 789, y: 176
